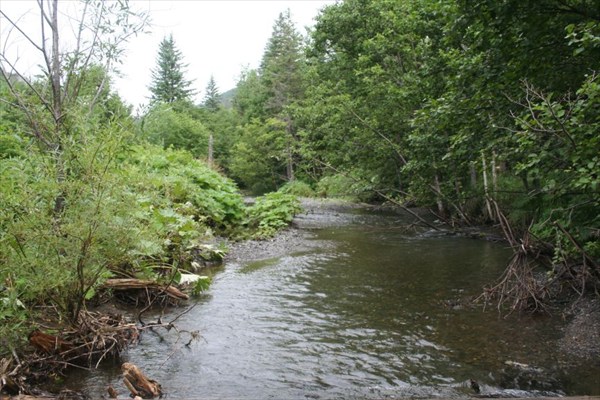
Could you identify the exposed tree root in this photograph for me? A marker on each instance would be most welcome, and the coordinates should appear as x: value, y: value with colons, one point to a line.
x: 523, y: 286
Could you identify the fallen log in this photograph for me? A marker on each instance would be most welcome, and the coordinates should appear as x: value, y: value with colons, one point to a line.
x: 138, y: 384
x: 141, y: 284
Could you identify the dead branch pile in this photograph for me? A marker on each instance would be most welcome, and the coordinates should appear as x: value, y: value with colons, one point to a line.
x: 140, y: 292
x: 518, y: 287
x: 94, y: 338
x: 523, y: 286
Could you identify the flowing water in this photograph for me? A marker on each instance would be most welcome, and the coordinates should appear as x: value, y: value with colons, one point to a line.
x: 368, y: 310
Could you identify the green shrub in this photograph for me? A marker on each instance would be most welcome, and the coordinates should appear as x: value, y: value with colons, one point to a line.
x: 174, y: 176
x: 127, y: 209
x: 298, y: 188
x: 270, y: 213
x: 166, y: 126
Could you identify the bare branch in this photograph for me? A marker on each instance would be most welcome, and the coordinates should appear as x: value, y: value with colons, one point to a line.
x: 25, y: 35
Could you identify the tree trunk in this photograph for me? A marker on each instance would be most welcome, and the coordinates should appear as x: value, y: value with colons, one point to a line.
x: 438, y: 195
x: 485, y: 188
x: 473, y: 175
x: 210, y: 150
x: 494, y: 173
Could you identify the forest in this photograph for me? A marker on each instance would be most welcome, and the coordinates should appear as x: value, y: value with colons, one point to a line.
x: 487, y: 113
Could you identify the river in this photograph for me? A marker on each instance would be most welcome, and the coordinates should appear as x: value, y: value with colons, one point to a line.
x: 365, y: 308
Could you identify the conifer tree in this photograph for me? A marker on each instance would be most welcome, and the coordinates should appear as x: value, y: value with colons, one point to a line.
x: 282, y: 65
x: 282, y: 76
x: 168, y: 82
x: 212, y: 98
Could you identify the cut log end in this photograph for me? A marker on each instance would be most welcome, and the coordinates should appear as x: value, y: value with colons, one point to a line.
x: 138, y: 383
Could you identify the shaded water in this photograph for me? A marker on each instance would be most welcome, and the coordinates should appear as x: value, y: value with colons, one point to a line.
x: 370, y: 311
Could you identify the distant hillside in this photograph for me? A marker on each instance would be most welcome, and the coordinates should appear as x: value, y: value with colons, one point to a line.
x: 227, y: 98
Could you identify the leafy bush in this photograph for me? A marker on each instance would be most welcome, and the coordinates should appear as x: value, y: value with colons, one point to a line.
x: 47, y: 253
x: 127, y: 209
x: 271, y: 213
x: 298, y: 188
x: 174, y: 176
x: 166, y: 126
x: 258, y: 159
x: 558, y: 148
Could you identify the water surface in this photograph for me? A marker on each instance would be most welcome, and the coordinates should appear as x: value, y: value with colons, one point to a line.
x: 373, y: 310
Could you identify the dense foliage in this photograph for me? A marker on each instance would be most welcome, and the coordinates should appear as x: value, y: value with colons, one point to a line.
x: 88, y: 193
x: 485, y: 112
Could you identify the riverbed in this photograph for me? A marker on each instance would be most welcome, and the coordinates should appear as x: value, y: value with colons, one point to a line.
x: 355, y: 303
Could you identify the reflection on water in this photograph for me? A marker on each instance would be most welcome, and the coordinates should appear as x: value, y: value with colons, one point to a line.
x: 377, y: 315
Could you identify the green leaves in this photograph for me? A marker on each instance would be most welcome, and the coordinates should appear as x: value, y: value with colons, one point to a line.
x: 265, y: 172
x: 270, y: 213
x: 164, y: 125
x: 584, y: 36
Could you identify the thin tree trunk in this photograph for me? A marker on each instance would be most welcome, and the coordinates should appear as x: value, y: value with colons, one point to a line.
x: 54, y: 70
x: 473, y: 175
x: 485, y: 187
x: 290, y: 164
x: 494, y: 174
x: 210, y: 150
x: 438, y: 196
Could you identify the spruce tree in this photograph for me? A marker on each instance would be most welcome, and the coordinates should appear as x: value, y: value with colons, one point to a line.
x: 282, y: 65
x: 212, y: 98
x: 168, y: 82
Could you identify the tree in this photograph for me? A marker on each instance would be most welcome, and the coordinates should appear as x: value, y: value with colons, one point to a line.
x: 282, y: 66
x: 250, y: 98
x: 266, y: 172
x: 169, y: 127
x: 282, y: 77
x: 168, y: 82
x: 212, y: 98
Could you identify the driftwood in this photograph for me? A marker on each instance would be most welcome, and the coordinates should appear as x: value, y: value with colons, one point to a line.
x: 138, y: 384
x: 112, y: 393
x: 49, y: 344
x: 140, y: 284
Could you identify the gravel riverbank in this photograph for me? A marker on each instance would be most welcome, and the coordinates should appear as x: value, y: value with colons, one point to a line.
x: 317, y: 213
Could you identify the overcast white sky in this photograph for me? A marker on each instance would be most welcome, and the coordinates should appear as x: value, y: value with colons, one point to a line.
x: 215, y: 37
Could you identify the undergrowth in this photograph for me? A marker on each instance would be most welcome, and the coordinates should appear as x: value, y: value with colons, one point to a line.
x: 131, y: 211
